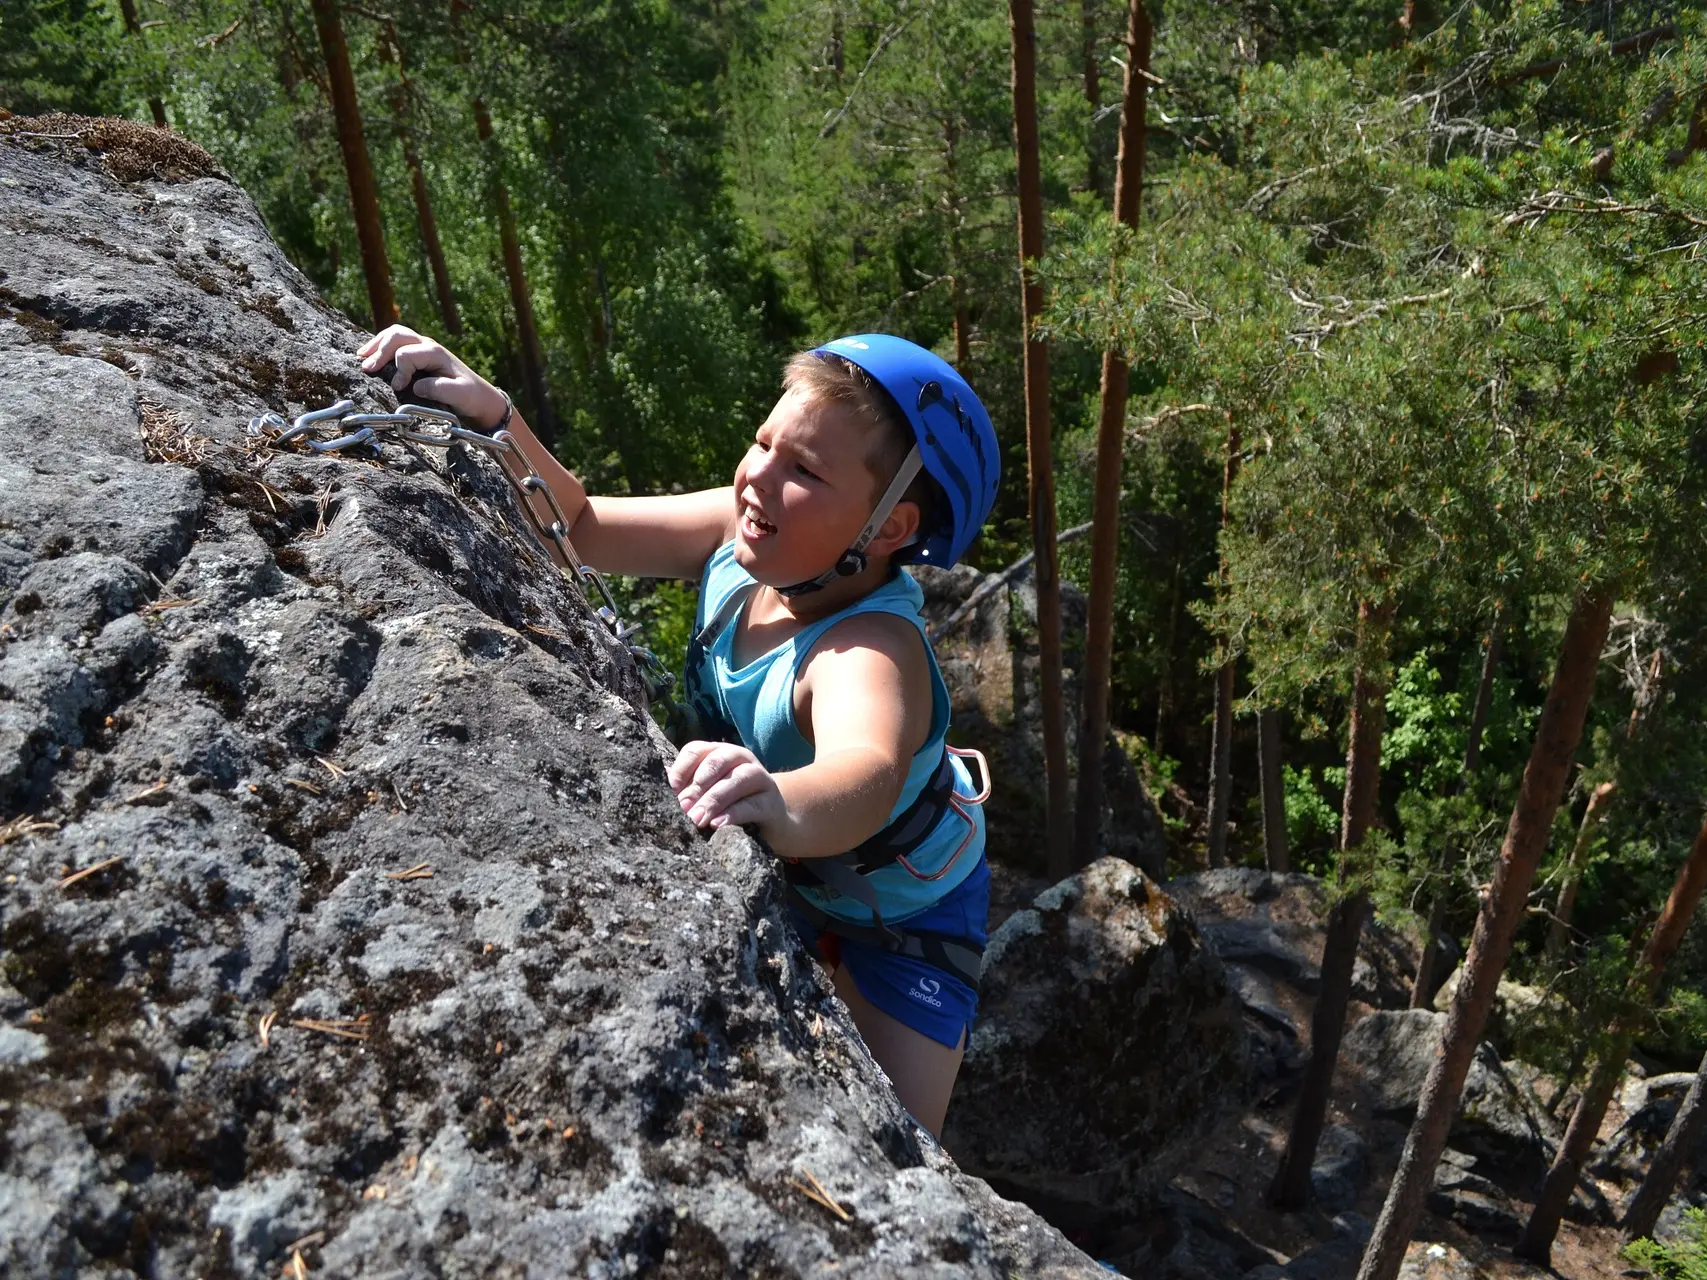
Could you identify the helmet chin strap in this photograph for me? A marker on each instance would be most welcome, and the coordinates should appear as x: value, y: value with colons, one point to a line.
x: 853, y: 560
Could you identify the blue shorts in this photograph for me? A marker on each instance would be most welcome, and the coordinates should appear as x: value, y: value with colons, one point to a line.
x: 930, y: 1000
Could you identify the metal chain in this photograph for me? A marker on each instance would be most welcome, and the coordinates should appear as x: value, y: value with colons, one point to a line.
x: 440, y: 429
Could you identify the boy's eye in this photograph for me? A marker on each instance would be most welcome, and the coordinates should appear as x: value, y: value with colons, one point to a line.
x: 808, y: 472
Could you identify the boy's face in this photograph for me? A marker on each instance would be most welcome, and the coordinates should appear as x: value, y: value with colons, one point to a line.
x: 803, y: 492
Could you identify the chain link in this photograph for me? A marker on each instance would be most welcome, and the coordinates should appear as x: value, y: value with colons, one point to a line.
x: 440, y: 429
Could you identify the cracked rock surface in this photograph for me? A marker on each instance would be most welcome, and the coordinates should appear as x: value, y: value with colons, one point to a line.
x: 248, y: 689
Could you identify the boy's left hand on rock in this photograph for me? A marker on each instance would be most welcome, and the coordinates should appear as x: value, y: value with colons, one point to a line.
x: 719, y: 783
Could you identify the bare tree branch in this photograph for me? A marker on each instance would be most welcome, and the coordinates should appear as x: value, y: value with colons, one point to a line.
x: 954, y: 620
x: 883, y: 42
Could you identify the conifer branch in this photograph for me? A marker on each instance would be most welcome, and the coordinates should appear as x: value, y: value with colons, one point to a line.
x: 1312, y: 336
x: 1537, y: 208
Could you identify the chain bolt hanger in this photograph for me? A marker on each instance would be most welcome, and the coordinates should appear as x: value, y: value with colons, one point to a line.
x: 440, y: 428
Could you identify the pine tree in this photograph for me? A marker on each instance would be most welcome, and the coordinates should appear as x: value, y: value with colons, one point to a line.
x: 1536, y: 1243
x: 1111, y: 435
x: 352, y: 141
x: 1038, y: 444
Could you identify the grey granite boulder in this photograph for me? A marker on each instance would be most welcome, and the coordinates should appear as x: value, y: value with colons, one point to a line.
x: 1390, y: 1051
x: 1267, y: 930
x: 1107, y: 1042
x: 393, y: 947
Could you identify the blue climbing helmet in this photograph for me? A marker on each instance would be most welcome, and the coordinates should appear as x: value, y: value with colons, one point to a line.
x: 954, y: 443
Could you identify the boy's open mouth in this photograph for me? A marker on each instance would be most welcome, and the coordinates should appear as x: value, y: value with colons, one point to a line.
x: 753, y: 524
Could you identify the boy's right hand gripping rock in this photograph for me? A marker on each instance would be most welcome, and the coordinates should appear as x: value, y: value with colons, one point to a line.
x: 428, y: 371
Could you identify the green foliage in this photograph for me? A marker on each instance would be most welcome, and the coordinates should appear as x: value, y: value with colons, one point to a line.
x: 692, y: 377
x: 1312, y: 824
x: 1426, y: 726
x: 664, y: 611
x: 1681, y: 1022
x: 60, y: 55
x: 1568, y: 1030
x: 1682, y: 1259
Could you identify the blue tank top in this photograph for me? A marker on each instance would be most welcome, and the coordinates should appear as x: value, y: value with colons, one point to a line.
x: 755, y: 705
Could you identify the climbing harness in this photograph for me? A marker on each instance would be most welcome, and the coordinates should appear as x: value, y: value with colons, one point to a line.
x: 847, y: 873
x: 440, y: 428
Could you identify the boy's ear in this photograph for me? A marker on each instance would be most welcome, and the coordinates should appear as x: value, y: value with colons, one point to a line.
x: 899, y: 530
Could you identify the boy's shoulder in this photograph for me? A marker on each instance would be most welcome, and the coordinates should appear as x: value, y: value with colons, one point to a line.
x: 886, y: 618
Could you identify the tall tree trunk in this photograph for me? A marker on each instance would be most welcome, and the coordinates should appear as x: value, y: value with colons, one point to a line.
x: 133, y: 25
x: 539, y: 412
x: 1221, y: 737
x: 1484, y: 692
x: 1688, y: 1127
x: 962, y: 328
x: 424, y: 219
x: 1111, y: 432
x: 1536, y: 1243
x: 540, y: 415
x: 1273, y: 791
x: 1559, y: 931
x: 1503, y: 909
x: 956, y: 254
x: 1037, y: 439
x: 1093, y: 91
x: 1422, y: 989
x: 1647, y: 697
x: 1291, y: 1186
x: 364, y: 201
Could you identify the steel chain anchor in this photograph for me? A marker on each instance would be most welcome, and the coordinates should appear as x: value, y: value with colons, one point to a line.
x: 416, y: 423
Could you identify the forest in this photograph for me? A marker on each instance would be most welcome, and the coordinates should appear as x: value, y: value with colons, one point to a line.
x: 1368, y: 337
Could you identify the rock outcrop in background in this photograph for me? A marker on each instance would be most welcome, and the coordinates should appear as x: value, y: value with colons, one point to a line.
x: 989, y: 661
x: 1101, y: 1009
x: 249, y: 700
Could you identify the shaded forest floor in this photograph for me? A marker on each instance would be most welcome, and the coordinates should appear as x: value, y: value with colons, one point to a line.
x: 1238, y: 1160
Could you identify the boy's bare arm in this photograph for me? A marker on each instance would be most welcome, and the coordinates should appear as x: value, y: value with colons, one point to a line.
x: 663, y: 537
x: 866, y: 695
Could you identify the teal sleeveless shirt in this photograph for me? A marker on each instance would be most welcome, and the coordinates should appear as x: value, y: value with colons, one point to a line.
x: 756, y: 703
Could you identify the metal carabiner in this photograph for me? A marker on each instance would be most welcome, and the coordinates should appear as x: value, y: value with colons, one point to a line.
x: 365, y: 436
x: 426, y: 437
x: 376, y: 420
x: 308, y: 421
x: 597, y: 579
x: 429, y: 412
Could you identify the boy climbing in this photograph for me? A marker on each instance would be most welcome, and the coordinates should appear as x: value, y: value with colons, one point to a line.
x: 819, y: 713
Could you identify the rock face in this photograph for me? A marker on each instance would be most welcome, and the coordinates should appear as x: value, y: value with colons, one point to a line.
x: 1102, y: 1010
x: 1267, y: 931
x: 1649, y: 1105
x: 989, y: 661
x: 247, y: 691
x: 1391, y: 1051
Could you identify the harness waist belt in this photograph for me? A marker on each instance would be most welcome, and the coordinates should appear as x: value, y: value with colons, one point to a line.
x: 953, y: 955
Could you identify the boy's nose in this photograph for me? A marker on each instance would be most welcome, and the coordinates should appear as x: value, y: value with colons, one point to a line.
x: 759, y: 466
